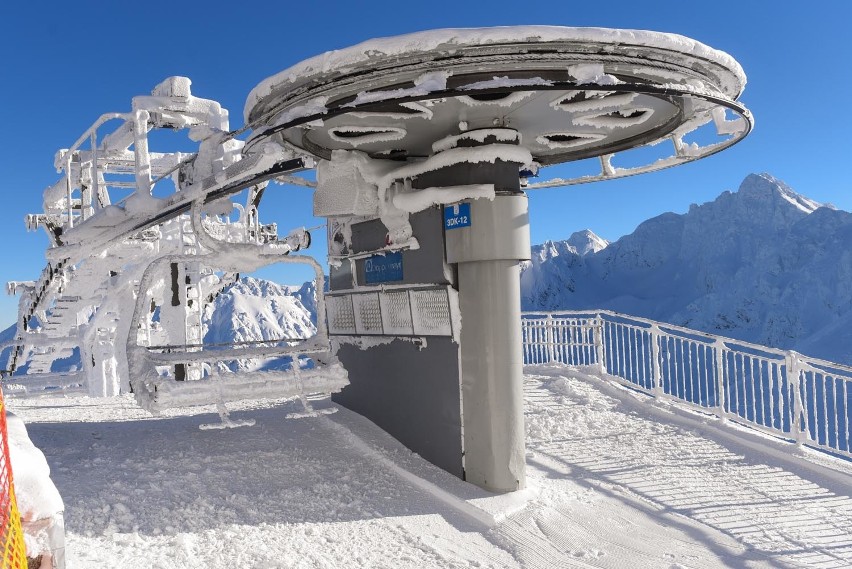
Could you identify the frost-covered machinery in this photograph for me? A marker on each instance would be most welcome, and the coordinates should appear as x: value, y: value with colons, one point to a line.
x: 424, y: 146
x: 141, y: 242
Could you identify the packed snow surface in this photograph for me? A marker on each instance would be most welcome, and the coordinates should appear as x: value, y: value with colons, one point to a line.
x: 615, y: 482
x: 451, y: 39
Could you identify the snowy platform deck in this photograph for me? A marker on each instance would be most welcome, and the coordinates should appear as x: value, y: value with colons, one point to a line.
x: 616, y: 482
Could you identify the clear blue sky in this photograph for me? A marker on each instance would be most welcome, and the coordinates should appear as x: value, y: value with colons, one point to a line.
x: 64, y: 64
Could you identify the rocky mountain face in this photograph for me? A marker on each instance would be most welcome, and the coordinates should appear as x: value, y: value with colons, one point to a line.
x: 256, y: 309
x: 763, y: 264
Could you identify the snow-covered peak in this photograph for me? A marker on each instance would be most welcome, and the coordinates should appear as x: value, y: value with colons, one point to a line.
x: 580, y: 243
x: 252, y: 310
x: 305, y: 294
x: 766, y: 187
x: 586, y: 241
x: 252, y: 286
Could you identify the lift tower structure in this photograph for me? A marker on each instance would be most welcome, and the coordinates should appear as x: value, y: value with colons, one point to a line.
x: 426, y: 144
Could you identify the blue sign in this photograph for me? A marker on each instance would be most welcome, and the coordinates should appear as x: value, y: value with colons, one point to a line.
x: 457, y: 216
x: 383, y: 268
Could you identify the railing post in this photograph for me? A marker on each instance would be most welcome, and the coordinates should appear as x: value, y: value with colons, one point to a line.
x: 548, y: 337
x: 655, y: 361
x: 797, y: 425
x: 720, y: 379
x: 598, y: 332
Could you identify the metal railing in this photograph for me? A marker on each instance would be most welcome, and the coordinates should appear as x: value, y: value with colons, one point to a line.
x: 782, y: 393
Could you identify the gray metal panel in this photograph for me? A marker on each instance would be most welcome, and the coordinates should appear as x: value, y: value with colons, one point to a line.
x: 340, y: 277
x: 411, y: 393
x: 423, y: 265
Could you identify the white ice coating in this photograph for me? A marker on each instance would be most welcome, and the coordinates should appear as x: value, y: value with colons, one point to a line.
x: 396, y: 219
x: 313, y: 107
x: 160, y: 394
x: 592, y: 101
x: 351, y: 178
x: 155, y: 393
x: 360, y: 135
x: 498, y: 82
x: 422, y: 112
x: 166, y: 272
x: 419, y: 200
x: 618, y: 119
x: 498, y: 134
x: 591, y: 74
x: 343, y: 184
x: 452, y: 156
x: 508, y: 101
x: 451, y: 39
x: 575, y: 139
x: 723, y: 125
x: 367, y: 342
x: 423, y: 85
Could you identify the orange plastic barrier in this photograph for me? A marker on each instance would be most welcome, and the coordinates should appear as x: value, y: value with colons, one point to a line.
x: 14, y: 555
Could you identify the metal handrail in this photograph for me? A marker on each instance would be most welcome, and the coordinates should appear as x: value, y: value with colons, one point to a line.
x: 779, y: 392
x: 672, y: 327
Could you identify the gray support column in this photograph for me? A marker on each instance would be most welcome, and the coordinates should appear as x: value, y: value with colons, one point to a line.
x: 488, y: 252
x: 492, y: 374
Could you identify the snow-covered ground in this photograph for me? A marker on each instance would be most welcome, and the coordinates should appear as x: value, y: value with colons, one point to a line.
x: 615, y: 482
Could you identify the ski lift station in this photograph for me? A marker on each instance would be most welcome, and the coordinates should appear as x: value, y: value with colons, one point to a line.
x: 423, y: 146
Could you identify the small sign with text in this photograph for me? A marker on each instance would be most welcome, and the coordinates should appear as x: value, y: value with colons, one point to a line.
x: 457, y: 216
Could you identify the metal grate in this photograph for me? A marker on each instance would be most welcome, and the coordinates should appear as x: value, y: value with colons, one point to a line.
x: 368, y: 313
x: 431, y: 312
x: 396, y: 313
x: 341, y: 314
x: 424, y: 312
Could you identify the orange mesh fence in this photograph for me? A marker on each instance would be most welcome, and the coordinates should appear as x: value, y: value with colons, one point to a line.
x: 12, y: 547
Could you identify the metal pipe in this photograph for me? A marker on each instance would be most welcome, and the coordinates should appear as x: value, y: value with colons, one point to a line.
x: 140, y: 152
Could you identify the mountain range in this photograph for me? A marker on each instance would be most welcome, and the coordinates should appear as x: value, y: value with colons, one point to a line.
x: 255, y: 309
x: 762, y: 264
